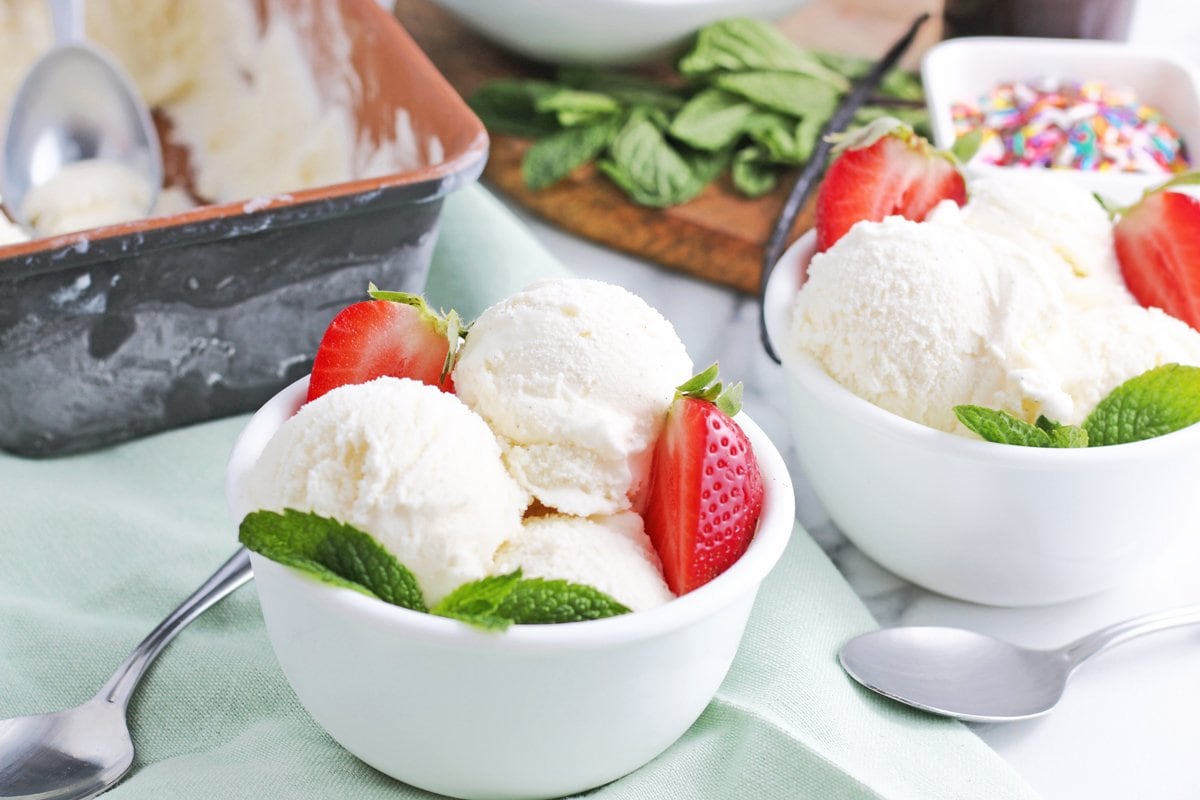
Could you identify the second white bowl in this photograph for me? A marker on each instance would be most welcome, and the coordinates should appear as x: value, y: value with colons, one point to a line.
x: 991, y: 523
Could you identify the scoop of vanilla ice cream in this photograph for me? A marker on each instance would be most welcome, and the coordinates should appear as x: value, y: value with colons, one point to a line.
x: 1057, y: 221
x: 918, y: 318
x: 10, y: 232
x: 404, y: 462
x: 87, y: 194
x: 574, y: 377
x: 1099, y: 349
x: 609, y: 553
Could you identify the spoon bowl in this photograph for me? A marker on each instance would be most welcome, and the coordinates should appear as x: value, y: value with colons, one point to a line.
x: 978, y: 678
x: 928, y: 667
x: 77, y: 105
x: 76, y: 753
x: 80, y: 752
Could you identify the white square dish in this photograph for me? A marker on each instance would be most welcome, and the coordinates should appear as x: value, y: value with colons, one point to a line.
x: 966, y: 69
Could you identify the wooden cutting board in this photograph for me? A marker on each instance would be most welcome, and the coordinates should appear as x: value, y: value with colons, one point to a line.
x: 718, y: 236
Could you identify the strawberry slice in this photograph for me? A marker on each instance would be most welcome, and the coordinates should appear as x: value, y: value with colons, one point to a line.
x: 882, y: 170
x: 1158, y: 248
x: 393, y: 334
x: 705, y: 490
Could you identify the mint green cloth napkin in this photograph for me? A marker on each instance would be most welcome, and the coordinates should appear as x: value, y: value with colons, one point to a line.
x: 95, y: 549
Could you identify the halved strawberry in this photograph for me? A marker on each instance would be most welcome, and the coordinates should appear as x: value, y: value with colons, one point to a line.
x: 706, y: 492
x: 881, y: 170
x: 393, y: 334
x: 1158, y: 247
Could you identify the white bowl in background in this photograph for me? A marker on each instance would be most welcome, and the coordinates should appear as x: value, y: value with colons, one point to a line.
x: 969, y: 68
x: 601, y: 32
x: 536, y: 711
x: 990, y: 523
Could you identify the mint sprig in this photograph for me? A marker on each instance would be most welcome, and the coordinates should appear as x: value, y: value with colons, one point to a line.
x: 344, y: 556
x: 1002, y: 427
x: 332, y: 551
x: 1159, y: 401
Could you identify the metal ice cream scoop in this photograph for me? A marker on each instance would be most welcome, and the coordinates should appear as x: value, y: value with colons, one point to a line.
x: 75, y: 104
x: 972, y: 676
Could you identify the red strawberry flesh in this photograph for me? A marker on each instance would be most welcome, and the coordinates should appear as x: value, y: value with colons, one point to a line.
x: 377, y: 338
x: 1158, y: 248
x: 898, y: 173
x: 705, y: 494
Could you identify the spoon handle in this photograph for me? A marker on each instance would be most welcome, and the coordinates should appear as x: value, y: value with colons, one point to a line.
x: 68, y: 20
x: 232, y: 574
x: 1084, y: 648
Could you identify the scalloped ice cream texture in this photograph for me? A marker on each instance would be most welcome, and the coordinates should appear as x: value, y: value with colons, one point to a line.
x: 245, y: 100
x: 575, y: 378
x: 1014, y: 301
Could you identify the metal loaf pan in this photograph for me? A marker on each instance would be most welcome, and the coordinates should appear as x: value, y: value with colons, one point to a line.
x: 118, y: 332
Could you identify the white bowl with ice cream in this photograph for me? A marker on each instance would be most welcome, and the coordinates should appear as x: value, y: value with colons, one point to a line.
x: 534, y: 711
x: 992, y: 523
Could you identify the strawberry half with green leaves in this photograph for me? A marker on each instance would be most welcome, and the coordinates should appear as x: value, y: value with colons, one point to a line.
x: 1158, y: 248
x: 705, y: 491
x: 393, y: 334
x: 881, y: 170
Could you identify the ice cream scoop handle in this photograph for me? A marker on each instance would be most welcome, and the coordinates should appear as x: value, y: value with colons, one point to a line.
x: 232, y: 574
x: 68, y: 19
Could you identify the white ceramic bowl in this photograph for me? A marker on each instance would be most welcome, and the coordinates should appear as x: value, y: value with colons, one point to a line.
x: 536, y: 711
x: 601, y: 32
x: 991, y: 523
x: 966, y: 69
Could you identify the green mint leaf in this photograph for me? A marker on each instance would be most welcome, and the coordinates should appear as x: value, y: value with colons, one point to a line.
x: 510, y: 107
x: 789, y: 93
x: 1002, y: 427
x: 1062, y: 435
x: 647, y: 168
x: 535, y: 601
x: 711, y: 120
x: 578, y: 107
x: 1157, y: 402
x: 902, y: 85
x: 743, y: 44
x: 554, y: 157
x: 478, y: 602
x: 332, y: 551
x: 785, y: 139
x: 1068, y: 436
x: 627, y: 89
x: 752, y: 173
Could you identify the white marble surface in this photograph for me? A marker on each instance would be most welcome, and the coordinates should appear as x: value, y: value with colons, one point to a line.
x: 1127, y: 726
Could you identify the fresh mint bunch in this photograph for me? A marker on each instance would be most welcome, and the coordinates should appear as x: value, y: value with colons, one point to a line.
x: 1157, y: 402
x: 344, y: 556
x: 745, y: 101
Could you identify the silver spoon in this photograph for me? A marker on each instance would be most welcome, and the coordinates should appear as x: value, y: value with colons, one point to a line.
x: 975, y: 677
x: 75, y: 104
x: 80, y: 752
